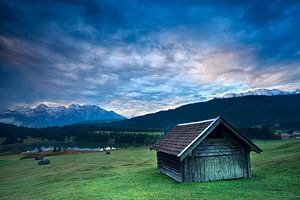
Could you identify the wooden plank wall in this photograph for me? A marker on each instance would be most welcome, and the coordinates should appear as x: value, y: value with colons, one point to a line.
x: 170, y: 165
x: 215, y: 159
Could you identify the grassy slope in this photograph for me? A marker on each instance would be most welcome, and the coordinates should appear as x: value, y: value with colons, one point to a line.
x: 131, y: 174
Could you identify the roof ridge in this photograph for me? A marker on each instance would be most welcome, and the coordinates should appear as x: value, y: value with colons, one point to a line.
x: 201, y: 133
x: 198, y: 122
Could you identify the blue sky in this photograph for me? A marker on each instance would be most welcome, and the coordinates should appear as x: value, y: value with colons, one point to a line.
x: 136, y: 57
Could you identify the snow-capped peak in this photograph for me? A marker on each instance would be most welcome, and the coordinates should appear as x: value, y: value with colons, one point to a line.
x: 261, y: 92
x: 43, y: 115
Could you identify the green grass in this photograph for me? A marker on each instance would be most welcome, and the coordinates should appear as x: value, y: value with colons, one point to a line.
x: 131, y: 174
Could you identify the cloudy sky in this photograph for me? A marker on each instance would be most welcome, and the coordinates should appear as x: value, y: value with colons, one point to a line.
x: 139, y: 56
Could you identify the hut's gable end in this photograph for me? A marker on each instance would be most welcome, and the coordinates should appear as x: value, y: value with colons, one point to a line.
x: 221, y: 141
x: 217, y: 127
x: 217, y: 157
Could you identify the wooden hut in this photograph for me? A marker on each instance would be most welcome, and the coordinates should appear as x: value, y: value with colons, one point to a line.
x: 204, y: 151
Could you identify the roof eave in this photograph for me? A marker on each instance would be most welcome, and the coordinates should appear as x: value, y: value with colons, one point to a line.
x: 199, y: 139
x: 242, y: 137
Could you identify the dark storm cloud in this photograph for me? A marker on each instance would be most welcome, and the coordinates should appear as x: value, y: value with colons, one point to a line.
x: 141, y: 56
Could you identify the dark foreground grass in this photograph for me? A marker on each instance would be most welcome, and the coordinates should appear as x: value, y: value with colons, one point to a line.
x: 131, y: 174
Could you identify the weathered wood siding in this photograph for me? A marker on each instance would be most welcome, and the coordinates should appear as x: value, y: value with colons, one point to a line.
x: 215, y: 159
x: 169, y: 165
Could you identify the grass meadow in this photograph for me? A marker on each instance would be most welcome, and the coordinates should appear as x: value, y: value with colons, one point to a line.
x: 131, y: 174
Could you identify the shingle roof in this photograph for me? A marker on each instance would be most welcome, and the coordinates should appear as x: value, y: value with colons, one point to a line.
x: 181, y: 136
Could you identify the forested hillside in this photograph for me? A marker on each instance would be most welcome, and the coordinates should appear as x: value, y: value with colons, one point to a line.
x: 278, y: 111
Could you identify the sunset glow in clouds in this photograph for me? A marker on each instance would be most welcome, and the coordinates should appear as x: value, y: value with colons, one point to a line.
x: 136, y: 57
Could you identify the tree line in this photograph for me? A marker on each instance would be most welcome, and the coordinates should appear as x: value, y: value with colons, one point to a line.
x: 88, y: 133
x: 97, y: 133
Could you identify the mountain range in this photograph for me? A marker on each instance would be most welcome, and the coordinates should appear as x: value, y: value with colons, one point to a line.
x: 256, y: 107
x: 43, y: 115
x: 262, y: 92
x: 257, y: 116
